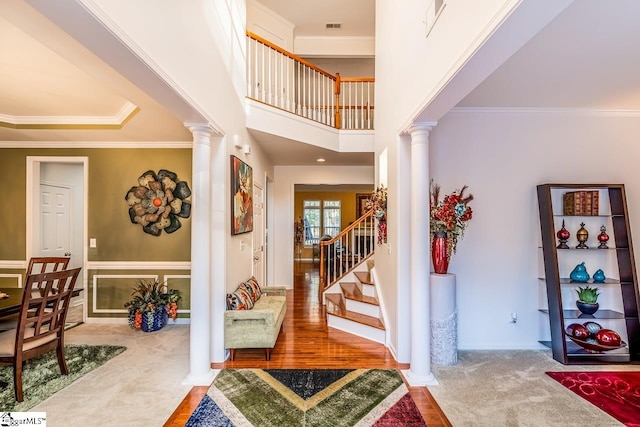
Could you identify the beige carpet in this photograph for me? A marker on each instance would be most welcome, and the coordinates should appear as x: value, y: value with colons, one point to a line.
x: 510, y: 388
x: 139, y: 388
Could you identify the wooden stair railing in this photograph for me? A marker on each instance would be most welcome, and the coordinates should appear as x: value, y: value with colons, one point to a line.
x: 284, y: 80
x: 344, y: 252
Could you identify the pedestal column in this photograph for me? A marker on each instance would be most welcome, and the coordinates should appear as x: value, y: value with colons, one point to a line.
x: 420, y: 370
x: 200, y: 372
x: 444, y: 319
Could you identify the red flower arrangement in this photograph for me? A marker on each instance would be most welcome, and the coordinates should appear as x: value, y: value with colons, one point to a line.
x: 378, y: 203
x: 449, y: 215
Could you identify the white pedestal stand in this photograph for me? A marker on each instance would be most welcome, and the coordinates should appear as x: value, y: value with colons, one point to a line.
x: 444, y: 320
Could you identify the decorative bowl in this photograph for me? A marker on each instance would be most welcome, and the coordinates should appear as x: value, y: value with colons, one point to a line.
x: 594, y: 346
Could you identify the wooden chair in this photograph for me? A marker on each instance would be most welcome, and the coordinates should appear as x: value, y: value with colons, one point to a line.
x: 37, y: 265
x: 41, y: 322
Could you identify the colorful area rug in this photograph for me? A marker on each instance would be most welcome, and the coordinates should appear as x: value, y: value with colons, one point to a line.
x: 41, y: 375
x: 295, y: 397
x: 616, y: 393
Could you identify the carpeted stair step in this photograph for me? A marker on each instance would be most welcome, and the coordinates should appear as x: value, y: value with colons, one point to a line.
x: 357, y: 302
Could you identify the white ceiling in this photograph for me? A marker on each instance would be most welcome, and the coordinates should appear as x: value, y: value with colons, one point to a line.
x: 310, y: 16
x: 586, y: 58
x: 54, y: 89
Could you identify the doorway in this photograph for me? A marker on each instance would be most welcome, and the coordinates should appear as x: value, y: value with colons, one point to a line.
x: 57, y: 214
x: 259, y: 221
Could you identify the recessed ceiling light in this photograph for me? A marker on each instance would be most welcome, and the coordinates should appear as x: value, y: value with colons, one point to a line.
x: 320, y: 160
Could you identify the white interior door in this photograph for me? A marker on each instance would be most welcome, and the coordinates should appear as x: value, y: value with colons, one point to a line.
x: 258, y: 234
x: 55, y: 221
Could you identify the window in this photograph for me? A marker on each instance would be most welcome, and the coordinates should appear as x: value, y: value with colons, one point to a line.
x: 320, y: 218
x: 331, y: 217
x: 311, y: 215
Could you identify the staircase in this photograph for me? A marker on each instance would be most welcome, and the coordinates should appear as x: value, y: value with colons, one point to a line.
x: 355, y: 308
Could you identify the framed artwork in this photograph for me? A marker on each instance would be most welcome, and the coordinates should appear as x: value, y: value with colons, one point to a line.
x: 241, y: 197
x: 361, y: 203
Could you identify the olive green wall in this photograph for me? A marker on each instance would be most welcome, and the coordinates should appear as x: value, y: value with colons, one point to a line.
x: 112, y: 172
x: 13, y: 172
x: 115, y: 288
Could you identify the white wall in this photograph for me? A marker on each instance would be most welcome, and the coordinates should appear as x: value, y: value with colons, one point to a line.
x: 347, y: 67
x: 269, y: 25
x: 285, y: 178
x: 502, y: 157
x: 409, y: 68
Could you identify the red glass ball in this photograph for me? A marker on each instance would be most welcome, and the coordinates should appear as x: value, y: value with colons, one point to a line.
x: 608, y: 337
x: 577, y: 330
x: 602, y: 237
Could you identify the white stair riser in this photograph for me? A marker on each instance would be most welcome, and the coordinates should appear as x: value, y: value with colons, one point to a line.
x: 363, y: 308
x: 368, y: 290
x: 355, y: 328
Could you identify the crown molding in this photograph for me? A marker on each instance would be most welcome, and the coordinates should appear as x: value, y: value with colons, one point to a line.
x: 96, y: 144
x: 126, y: 112
x: 596, y: 112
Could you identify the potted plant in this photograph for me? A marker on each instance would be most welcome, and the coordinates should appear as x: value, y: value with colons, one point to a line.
x: 151, y: 304
x: 587, y: 301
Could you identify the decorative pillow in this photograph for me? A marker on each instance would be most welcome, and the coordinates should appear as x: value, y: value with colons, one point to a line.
x: 239, y: 300
x: 252, y: 284
x: 250, y: 290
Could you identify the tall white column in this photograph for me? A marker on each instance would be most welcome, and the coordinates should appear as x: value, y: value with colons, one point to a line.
x: 419, y: 372
x: 200, y: 372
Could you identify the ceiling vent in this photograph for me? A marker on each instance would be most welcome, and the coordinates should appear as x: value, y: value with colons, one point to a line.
x: 333, y: 25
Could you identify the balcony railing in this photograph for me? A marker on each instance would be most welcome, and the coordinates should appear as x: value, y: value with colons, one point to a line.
x: 286, y: 81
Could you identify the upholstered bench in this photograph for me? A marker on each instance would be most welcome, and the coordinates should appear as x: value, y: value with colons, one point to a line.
x: 254, y: 317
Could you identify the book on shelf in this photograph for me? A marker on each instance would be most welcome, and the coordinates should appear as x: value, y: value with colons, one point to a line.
x: 581, y: 202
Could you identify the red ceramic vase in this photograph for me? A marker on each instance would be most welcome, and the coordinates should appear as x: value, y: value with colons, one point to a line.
x: 439, y: 253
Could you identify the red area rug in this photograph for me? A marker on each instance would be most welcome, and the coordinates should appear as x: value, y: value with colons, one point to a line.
x: 616, y: 393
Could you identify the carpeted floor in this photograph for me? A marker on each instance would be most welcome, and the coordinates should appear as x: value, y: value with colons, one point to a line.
x: 41, y: 376
x: 500, y: 388
x: 616, y: 393
x: 296, y: 398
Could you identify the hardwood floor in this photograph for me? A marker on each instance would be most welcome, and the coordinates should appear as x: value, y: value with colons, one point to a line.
x: 311, y: 344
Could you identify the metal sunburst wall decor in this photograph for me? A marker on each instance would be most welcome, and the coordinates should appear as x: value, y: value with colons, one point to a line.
x: 158, y: 202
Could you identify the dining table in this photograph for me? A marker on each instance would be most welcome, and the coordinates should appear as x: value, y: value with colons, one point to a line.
x: 12, y: 300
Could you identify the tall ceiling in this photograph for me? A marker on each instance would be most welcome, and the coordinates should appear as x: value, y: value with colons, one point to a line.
x: 54, y: 89
x: 585, y: 58
x: 310, y: 17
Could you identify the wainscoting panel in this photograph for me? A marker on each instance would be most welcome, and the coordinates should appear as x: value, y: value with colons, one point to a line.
x: 111, y: 285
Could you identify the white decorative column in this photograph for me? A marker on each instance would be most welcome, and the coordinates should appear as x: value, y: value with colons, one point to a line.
x: 200, y: 372
x: 444, y: 319
x: 420, y: 371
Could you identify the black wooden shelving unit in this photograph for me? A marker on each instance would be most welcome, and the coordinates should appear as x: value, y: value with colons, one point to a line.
x: 614, y: 212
